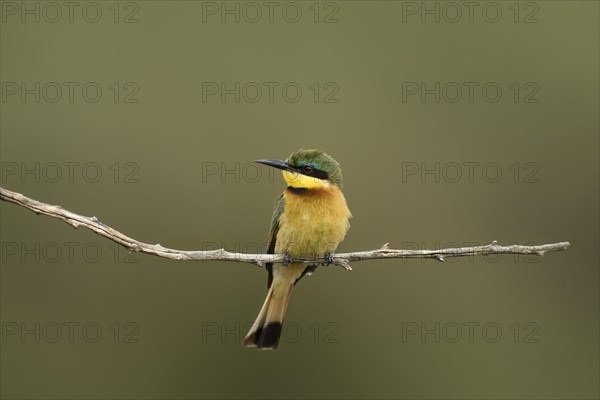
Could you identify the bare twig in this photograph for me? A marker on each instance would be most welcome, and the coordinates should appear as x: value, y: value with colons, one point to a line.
x: 341, y: 259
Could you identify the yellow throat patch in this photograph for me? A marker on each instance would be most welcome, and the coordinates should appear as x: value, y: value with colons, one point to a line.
x: 297, y: 180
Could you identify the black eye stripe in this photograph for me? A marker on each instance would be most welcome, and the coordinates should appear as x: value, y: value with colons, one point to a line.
x: 320, y: 174
x: 316, y: 173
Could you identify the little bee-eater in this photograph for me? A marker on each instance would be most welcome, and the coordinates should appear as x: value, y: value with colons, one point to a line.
x: 310, y: 219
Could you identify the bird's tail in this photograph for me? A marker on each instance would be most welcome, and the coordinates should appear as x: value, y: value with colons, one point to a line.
x: 266, y: 330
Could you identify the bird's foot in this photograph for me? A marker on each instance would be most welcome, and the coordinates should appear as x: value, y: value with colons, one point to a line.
x: 328, y: 259
x: 286, y: 259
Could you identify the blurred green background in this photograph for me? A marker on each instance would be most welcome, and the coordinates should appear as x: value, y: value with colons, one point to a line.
x: 175, y: 165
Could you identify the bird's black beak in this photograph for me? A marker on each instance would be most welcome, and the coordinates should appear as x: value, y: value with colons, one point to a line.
x: 279, y: 164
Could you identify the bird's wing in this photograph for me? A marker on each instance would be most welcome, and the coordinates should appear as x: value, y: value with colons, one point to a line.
x: 277, y: 211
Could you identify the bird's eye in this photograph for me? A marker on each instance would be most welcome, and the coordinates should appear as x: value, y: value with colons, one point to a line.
x: 307, y: 169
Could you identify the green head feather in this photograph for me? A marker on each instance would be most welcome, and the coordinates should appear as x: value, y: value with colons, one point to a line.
x: 322, y: 164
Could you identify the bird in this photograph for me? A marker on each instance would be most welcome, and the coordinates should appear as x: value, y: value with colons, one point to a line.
x: 310, y: 219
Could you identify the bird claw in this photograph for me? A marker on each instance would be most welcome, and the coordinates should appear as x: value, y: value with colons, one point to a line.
x: 328, y: 259
x: 286, y: 259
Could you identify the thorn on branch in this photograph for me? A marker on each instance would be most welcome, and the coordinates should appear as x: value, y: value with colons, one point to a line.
x: 342, y: 262
x: 73, y: 223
